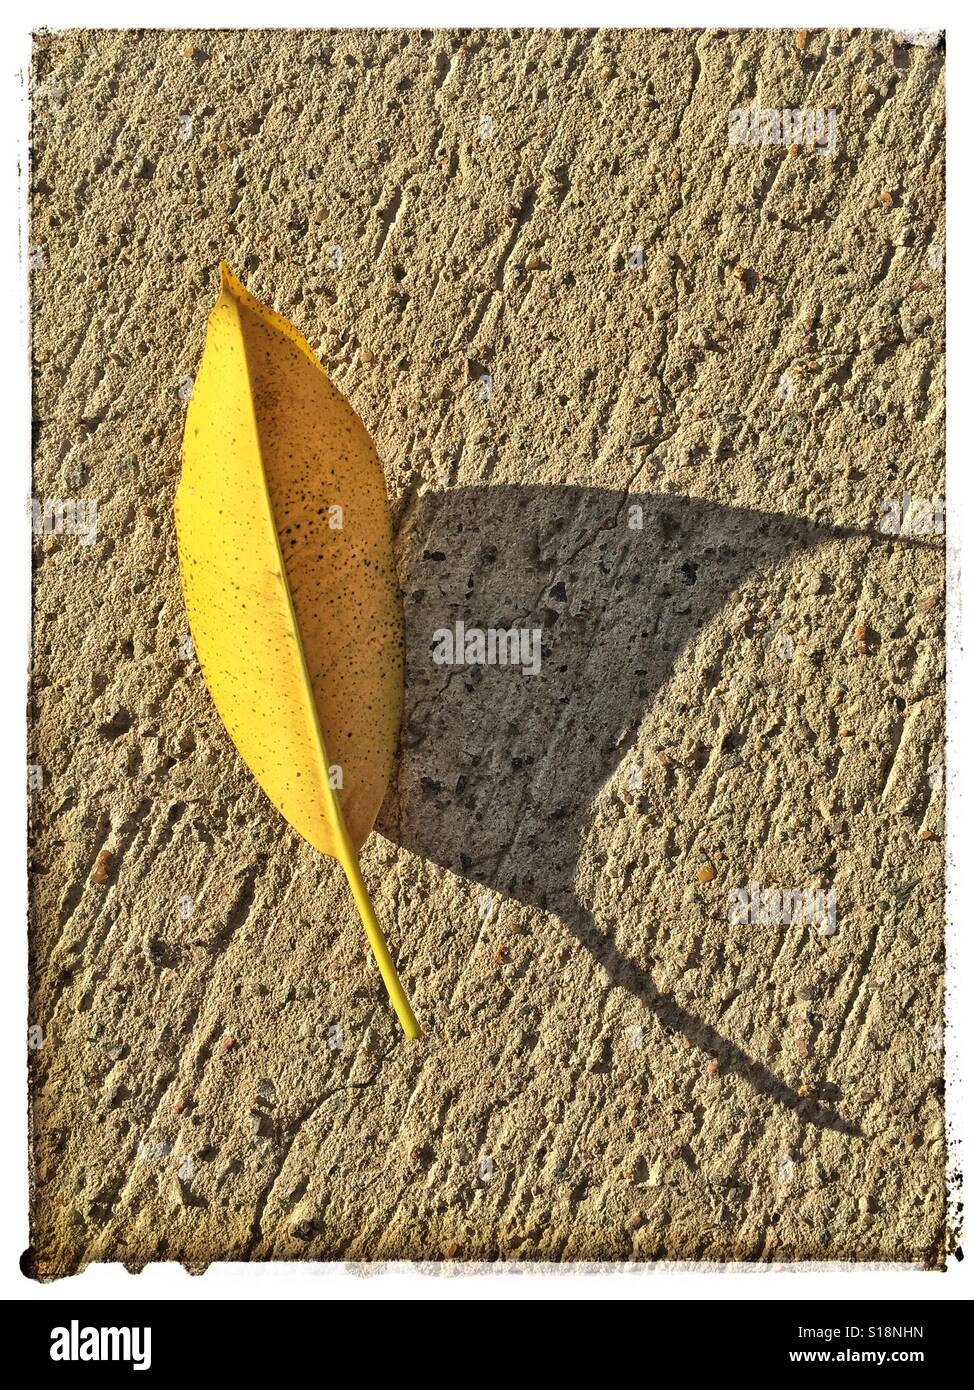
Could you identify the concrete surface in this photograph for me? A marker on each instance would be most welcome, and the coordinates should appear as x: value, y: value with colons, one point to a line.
x: 744, y: 341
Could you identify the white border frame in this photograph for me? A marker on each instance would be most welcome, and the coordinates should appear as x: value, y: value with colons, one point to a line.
x: 301, y: 1281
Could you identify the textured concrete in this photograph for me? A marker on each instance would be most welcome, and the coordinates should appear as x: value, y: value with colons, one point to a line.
x: 745, y: 342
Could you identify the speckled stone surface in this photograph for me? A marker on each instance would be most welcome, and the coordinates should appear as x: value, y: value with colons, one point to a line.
x: 651, y: 392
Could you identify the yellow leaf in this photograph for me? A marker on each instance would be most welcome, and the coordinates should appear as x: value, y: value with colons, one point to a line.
x: 285, y: 554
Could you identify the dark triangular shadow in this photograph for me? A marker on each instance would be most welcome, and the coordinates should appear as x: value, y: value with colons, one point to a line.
x: 499, y: 769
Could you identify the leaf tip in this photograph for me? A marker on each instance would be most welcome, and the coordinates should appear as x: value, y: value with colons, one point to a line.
x: 229, y: 283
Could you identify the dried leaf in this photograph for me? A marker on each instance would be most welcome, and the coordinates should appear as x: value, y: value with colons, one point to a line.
x: 285, y: 553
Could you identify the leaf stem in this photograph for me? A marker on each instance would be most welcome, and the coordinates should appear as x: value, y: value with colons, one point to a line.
x: 380, y: 949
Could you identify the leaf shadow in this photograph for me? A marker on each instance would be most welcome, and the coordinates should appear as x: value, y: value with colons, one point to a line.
x: 499, y: 769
